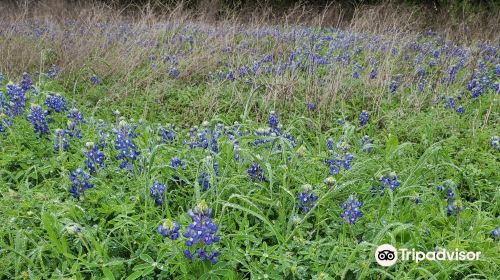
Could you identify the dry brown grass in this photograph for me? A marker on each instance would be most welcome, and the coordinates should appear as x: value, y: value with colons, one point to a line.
x: 92, y: 50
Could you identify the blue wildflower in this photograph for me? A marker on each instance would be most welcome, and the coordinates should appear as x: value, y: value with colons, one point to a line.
x: 306, y: 200
x: 391, y: 181
x: 204, y: 181
x: 93, y: 158
x: 60, y: 140
x: 329, y: 144
x: 38, y: 120
x: 173, y: 72
x: 273, y: 120
x: 363, y: 118
x: 393, y: 86
x: 169, y: 229
x: 167, y: 135
x: 175, y: 162
x: 495, y: 142
x: 201, y: 232
x: 75, y: 118
x: 26, y: 82
x: 56, y: 103
x: 351, y: 212
x: 53, y: 71
x: 79, y: 182
x: 495, y: 233
x: 366, y: 144
x: 124, y: 145
x: 453, y: 205
x: 94, y: 80
x: 17, y: 100
x: 157, y: 192
x: 256, y: 173
x: 311, y: 106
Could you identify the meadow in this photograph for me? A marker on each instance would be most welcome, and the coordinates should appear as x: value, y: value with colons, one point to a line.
x: 174, y: 147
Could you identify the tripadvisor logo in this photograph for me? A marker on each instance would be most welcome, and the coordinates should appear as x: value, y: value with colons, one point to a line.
x: 387, y: 255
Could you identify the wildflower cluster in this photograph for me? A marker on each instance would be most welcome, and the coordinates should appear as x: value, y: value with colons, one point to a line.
x: 201, y: 234
x: 157, y: 191
x: 93, y: 157
x: 256, y: 173
x: 127, y: 150
x: 55, y: 103
x: 79, y: 182
x: 38, y: 120
x: 169, y: 229
x: 306, y: 199
x: 363, y: 118
x: 61, y: 142
x: 351, y: 212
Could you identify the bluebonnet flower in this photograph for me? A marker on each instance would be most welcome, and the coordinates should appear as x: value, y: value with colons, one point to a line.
x: 373, y: 190
x: 351, y: 212
x: 363, y: 118
x: 94, y: 80
x: 124, y: 145
x: 391, y: 181
x: 204, y: 181
x: 273, y: 120
x: 175, y: 162
x: 26, y: 82
x: 453, y: 206
x: 495, y: 142
x: 60, y: 140
x: 169, y: 229
x: 450, y: 103
x: 53, y: 71
x: 17, y: 100
x: 173, y: 72
x: 495, y: 233
x: 256, y: 173
x: 230, y: 75
x: 56, y: 103
x: 306, y: 199
x: 38, y: 120
x: 393, y: 86
x: 497, y: 70
x: 75, y: 118
x: 337, y: 162
x: 366, y: 144
x: 267, y: 58
x: 79, y: 182
x: 157, y: 191
x: 101, y: 143
x: 355, y: 71
x: 243, y: 71
x: 329, y: 144
x: 420, y: 71
x: 93, y: 157
x: 201, y: 233
x: 311, y: 106
x: 373, y: 73
x: 420, y: 86
x: 167, y: 135
x: 460, y: 110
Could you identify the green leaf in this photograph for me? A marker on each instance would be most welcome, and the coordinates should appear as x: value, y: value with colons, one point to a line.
x: 134, y: 275
x: 107, y: 273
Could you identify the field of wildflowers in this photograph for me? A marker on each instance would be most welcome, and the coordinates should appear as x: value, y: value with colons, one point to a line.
x: 141, y: 149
